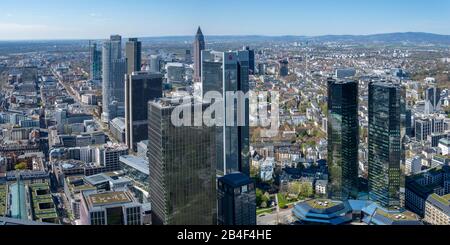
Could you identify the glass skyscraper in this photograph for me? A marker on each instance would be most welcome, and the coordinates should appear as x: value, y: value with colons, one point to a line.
x: 182, y: 168
x: 133, y: 53
x: 95, y: 62
x: 432, y: 99
x: 229, y: 72
x: 385, y: 143
x: 251, y: 62
x: 140, y: 88
x: 114, y: 70
x: 343, y: 139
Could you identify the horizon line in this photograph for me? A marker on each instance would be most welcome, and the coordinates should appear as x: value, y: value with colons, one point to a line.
x: 221, y: 35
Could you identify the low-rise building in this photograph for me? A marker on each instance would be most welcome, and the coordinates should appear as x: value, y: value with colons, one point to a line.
x: 109, y: 208
x: 437, y: 210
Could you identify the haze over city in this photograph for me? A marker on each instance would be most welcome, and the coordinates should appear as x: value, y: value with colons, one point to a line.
x: 85, y: 19
x: 252, y: 120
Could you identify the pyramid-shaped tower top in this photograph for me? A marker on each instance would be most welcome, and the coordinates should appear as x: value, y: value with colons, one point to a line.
x: 199, y: 31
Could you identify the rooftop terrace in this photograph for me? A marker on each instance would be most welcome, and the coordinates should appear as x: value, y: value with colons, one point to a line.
x: 445, y: 200
x: 109, y: 198
x: 406, y: 215
x: 321, y: 203
x: 2, y: 199
x: 44, y: 209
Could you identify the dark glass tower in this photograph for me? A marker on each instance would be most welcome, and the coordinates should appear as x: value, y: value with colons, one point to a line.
x: 343, y: 139
x: 229, y: 72
x: 251, y: 62
x: 182, y: 168
x: 133, y: 53
x: 385, y: 147
x: 140, y: 88
x: 236, y: 200
x: 96, y: 62
x: 199, y: 46
x: 283, y: 68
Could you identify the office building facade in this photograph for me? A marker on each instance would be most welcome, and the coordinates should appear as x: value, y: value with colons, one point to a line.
x: 140, y: 88
x: 155, y: 63
x: 236, y: 200
x: 95, y: 56
x: 432, y: 100
x: 251, y: 60
x: 343, y: 139
x: 114, y: 70
x: 385, y: 144
x: 109, y: 208
x: 182, y: 168
x: 229, y: 72
x: 133, y: 53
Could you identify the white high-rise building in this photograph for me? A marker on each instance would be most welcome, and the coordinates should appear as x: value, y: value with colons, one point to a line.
x: 114, y: 70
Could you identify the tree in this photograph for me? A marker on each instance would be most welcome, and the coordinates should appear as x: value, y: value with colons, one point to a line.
x: 294, y: 188
x: 266, y: 197
x: 259, y: 195
x: 254, y: 171
x: 263, y: 205
x: 21, y: 166
x: 262, y: 198
x: 306, y: 190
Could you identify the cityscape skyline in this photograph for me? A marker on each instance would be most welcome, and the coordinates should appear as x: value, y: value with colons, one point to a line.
x: 130, y: 130
x: 88, y: 20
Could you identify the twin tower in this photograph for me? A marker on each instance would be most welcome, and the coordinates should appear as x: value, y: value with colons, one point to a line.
x: 386, y: 130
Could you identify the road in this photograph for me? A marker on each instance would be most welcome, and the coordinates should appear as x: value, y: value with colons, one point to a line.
x: 90, y: 109
x: 284, y: 216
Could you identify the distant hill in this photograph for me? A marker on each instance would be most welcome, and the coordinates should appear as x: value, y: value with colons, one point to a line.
x: 400, y: 37
x: 411, y: 37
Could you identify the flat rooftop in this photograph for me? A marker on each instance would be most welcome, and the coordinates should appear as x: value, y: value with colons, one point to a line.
x: 322, y: 203
x: 109, y: 198
x: 442, y: 201
x: 43, y: 204
x: 406, y: 215
x: 137, y: 163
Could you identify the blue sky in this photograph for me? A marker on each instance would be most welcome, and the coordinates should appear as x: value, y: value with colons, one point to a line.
x: 66, y: 19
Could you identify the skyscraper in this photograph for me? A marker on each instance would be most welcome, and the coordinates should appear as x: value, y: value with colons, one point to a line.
x: 283, y: 68
x: 188, y: 56
x: 140, y: 87
x: 114, y: 70
x: 385, y: 143
x: 432, y: 100
x: 199, y: 46
x: 119, y: 68
x: 229, y: 72
x: 236, y: 200
x: 343, y: 139
x: 95, y: 56
x: 251, y: 62
x: 155, y: 65
x: 133, y: 53
x: 182, y: 167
